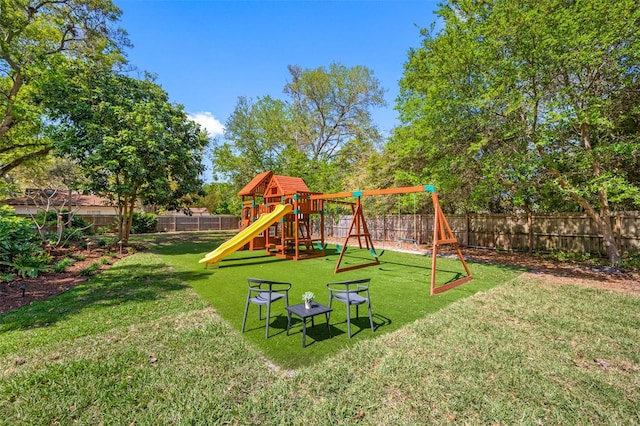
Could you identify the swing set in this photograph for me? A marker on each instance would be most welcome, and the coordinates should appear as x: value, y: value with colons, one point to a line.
x: 358, y: 229
x: 277, y: 217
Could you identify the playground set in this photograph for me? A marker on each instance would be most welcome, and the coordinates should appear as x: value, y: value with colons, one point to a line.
x: 277, y: 215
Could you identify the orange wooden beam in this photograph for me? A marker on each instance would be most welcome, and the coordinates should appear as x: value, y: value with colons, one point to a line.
x: 370, y: 192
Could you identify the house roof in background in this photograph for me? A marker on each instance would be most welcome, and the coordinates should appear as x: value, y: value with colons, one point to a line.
x: 38, y: 197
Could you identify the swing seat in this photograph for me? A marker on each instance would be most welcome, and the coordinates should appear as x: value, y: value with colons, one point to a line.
x: 374, y: 254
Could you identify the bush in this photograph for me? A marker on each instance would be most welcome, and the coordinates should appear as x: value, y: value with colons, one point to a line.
x: 91, y: 269
x: 17, y: 236
x: 31, y: 264
x: 76, y: 230
x: 6, y: 277
x: 144, y: 223
x: 52, y: 219
x: 63, y: 264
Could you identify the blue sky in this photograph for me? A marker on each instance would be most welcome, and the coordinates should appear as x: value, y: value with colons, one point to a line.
x: 207, y: 53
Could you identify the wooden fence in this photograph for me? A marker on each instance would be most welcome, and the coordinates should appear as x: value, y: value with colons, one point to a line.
x: 175, y: 223
x: 571, y: 232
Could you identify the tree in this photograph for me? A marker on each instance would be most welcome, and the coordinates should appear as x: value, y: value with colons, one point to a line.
x: 220, y: 198
x: 257, y: 138
x: 332, y: 107
x: 317, y: 134
x: 129, y: 140
x: 36, y: 36
x: 527, y: 100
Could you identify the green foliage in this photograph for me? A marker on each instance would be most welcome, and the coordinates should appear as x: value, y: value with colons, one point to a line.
x: 510, y: 105
x: 131, y: 142
x: 6, y: 277
x: 317, y: 134
x: 91, y: 269
x: 74, y: 228
x: 17, y: 236
x: 631, y: 261
x: 220, y: 198
x: 38, y: 39
x: 569, y: 257
x: 31, y: 264
x: 70, y: 219
x: 63, y: 264
x: 144, y: 223
x: 520, y: 105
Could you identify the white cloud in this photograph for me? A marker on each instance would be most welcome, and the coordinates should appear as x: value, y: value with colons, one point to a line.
x: 208, y: 122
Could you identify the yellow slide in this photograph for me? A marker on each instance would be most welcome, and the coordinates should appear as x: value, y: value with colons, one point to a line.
x: 247, y: 234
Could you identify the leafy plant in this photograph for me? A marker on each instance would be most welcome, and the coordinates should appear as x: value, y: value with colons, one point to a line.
x: 308, y: 296
x: 144, y: 223
x: 63, y: 264
x: 632, y: 261
x: 16, y: 235
x: 91, y: 269
x: 31, y: 264
x: 7, y: 277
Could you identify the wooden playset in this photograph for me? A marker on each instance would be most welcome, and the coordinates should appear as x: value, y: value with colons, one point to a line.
x: 286, y: 231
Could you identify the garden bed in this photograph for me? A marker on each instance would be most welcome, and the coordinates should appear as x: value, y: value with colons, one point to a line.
x: 53, y: 283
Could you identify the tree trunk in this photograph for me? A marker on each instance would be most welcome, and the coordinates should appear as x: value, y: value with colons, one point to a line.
x: 129, y: 216
x: 603, y: 220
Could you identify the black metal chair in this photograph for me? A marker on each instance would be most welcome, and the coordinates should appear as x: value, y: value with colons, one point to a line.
x: 265, y: 292
x: 350, y: 293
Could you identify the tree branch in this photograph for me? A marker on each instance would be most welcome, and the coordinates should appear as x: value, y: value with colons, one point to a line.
x: 6, y: 168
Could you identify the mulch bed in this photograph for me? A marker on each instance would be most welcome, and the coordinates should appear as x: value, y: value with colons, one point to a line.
x: 53, y: 283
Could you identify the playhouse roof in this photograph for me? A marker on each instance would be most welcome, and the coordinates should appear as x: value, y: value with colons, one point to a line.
x: 288, y: 184
x: 257, y: 184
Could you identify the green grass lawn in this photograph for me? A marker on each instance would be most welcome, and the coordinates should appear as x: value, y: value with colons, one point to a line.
x: 137, y: 345
x: 399, y: 291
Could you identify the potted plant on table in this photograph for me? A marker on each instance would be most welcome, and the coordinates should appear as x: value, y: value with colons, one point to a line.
x: 308, y: 299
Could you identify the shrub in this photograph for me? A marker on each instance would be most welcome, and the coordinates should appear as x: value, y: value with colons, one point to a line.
x: 6, y: 277
x: 31, y: 264
x: 91, y: 269
x: 17, y: 236
x: 52, y: 219
x: 63, y: 264
x: 144, y: 223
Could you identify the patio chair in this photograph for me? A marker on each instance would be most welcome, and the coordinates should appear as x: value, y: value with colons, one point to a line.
x: 351, y: 293
x: 265, y: 292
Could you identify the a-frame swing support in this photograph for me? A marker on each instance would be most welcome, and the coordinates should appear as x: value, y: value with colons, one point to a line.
x: 442, y: 234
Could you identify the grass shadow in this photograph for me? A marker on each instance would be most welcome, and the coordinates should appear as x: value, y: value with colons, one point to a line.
x: 124, y: 283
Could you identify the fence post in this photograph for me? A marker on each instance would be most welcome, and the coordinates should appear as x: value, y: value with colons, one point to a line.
x: 467, y: 222
x: 530, y: 225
